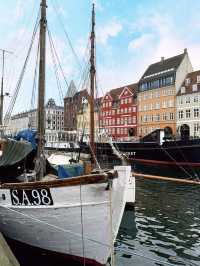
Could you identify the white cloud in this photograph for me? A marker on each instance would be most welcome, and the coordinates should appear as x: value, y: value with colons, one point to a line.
x: 158, y: 36
x: 140, y: 42
x: 162, y: 38
x: 112, y: 29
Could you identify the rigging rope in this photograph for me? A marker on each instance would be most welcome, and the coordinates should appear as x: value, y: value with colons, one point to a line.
x: 14, y: 97
x: 55, y: 67
x: 35, y: 78
x: 66, y: 34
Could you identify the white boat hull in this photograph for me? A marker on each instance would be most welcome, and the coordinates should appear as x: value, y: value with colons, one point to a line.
x: 69, y: 227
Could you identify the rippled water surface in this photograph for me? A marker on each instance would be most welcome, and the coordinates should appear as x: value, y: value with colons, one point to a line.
x: 165, y: 227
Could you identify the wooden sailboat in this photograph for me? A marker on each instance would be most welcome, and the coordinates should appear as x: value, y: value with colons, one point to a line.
x: 77, y: 216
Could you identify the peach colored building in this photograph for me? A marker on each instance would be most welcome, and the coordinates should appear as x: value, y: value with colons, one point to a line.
x: 157, y: 93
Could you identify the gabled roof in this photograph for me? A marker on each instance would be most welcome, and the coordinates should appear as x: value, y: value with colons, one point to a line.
x: 188, y: 87
x: 115, y: 93
x: 164, y: 65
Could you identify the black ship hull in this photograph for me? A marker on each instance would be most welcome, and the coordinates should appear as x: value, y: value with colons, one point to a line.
x: 180, y: 159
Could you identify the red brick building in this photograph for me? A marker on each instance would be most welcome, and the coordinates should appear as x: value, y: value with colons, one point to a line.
x: 119, y: 112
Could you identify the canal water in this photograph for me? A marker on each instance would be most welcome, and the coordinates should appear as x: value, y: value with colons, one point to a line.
x: 164, y: 229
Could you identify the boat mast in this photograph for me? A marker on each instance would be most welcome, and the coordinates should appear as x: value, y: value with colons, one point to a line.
x: 92, y: 80
x: 2, y: 83
x: 41, y: 85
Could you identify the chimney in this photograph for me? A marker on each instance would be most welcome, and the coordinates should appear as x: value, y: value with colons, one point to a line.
x: 185, y: 51
x: 162, y: 59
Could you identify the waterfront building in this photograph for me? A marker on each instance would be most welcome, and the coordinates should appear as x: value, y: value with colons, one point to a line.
x: 72, y: 105
x: 54, y: 117
x: 118, y: 115
x: 188, y: 105
x: 83, y: 119
x: 157, y: 93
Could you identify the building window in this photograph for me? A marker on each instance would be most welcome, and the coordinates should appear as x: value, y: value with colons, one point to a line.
x: 187, y: 81
x: 194, y: 87
x: 187, y: 100
x: 157, y: 117
x: 198, y: 79
x: 164, y: 104
x: 188, y: 113
x: 182, y: 89
x: 157, y: 105
x: 165, y: 116
x: 195, y: 99
x: 196, y: 112
x: 180, y: 114
x: 171, y: 116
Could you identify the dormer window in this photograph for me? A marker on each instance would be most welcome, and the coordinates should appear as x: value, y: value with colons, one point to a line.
x: 187, y: 81
x: 182, y: 89
x: 198, y: 79
x: 194, y: 87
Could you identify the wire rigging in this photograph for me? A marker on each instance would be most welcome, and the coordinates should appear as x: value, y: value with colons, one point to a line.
x: 35, y: 78
x: 66, y: 34
x: 14, y: 97
x: 52, y: 49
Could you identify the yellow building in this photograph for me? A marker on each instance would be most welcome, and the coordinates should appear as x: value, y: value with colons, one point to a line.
x: 157, y: 93
x: 83, y: 119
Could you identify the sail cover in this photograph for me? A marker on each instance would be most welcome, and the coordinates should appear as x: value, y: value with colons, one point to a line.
x: 14, y: 151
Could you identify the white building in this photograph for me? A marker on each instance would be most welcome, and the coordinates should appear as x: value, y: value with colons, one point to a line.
x: 188, y: 105
x: 54, y: 121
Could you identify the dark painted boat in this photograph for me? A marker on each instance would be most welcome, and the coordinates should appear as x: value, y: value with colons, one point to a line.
x: 173, y: 157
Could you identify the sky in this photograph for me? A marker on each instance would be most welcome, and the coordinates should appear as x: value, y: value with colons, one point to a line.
x: 130, y: 35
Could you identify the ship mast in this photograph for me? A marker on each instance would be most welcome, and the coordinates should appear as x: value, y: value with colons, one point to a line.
x: 92, y: 81
x: 41, y: 89
x: 2, y: 85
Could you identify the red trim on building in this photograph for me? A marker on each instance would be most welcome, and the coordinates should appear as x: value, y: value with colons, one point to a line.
x: 119, y: 112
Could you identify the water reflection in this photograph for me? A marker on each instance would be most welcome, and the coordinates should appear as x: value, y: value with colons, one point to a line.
x: 166, y: 226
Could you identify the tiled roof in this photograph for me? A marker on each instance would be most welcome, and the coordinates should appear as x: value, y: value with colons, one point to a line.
x: 164, y: 65
x: 116, y: 92
x: 188, y: 87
